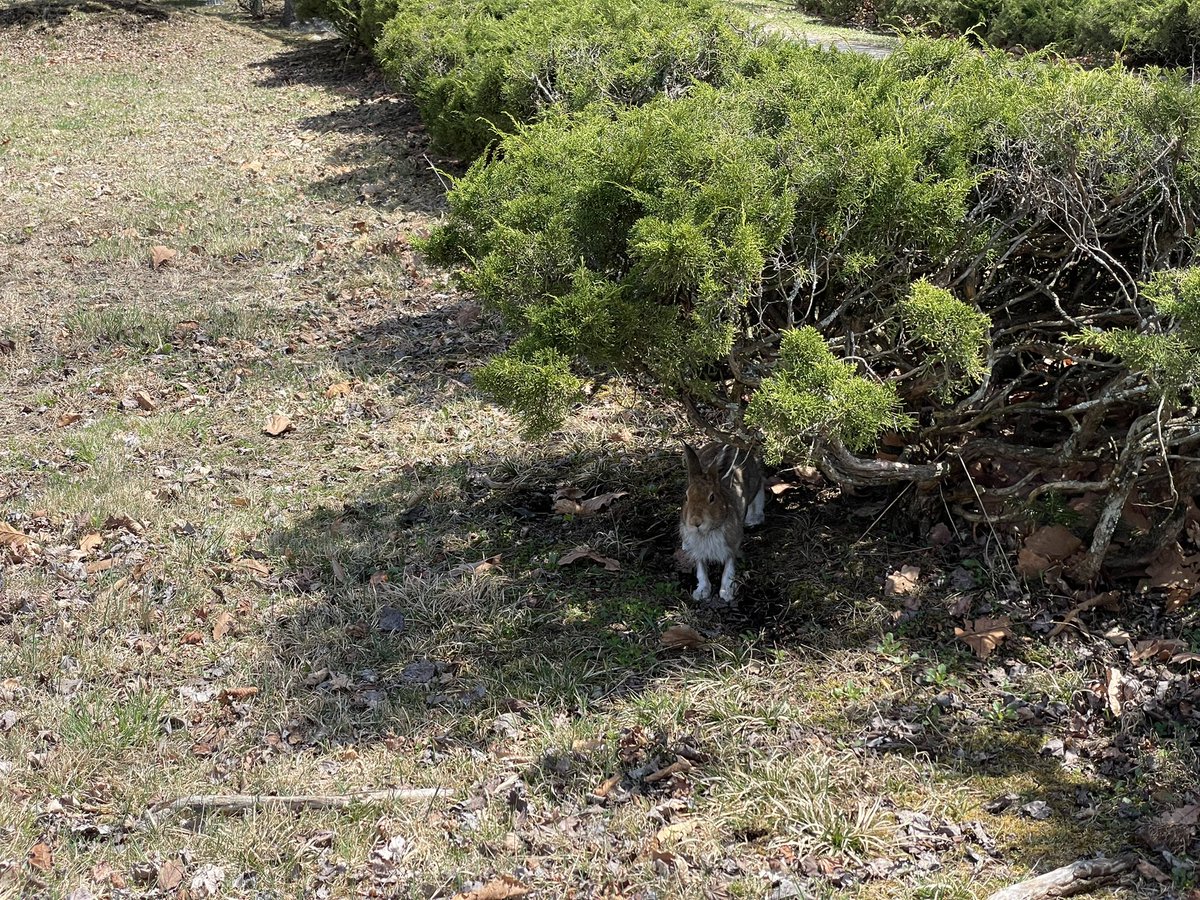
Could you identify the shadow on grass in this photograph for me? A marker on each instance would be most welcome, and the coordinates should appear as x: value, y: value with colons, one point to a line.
x: 52, y: 13
x: 389, y: 165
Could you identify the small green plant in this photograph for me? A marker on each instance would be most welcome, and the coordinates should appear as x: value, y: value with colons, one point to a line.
x: 894, y: 651
x: 941, y: 676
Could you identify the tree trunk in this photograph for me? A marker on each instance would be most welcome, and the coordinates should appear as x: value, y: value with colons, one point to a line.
x: 288, y: 19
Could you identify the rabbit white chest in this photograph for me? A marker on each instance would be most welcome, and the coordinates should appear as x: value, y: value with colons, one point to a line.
x: 706, y: 546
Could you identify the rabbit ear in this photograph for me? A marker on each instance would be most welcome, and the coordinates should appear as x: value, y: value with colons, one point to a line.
x: 695, y: 469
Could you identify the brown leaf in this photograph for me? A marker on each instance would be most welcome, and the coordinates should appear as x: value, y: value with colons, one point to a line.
x: 170, y: 874
x: 255, y: 567
x: 567, y: 502
x: 41, y: 857
x: 193, y: 637
x: 161, y: 255
x: 1157, y: 649
x: 100, y: 565
x: 69, y: 419
x: 571, y: 556
x: 503, y: 887
x: 145, y: 401
x: 984, y: 635
x: 681, y: 637
x: 901, y: 583
x: 1112, y: 681
x: 1055, y: 542
x: 277, y: 424
x: 90, y: 541
x: 13, y: 537
x: 236, y: 695
x: 222, y: 624
x: 1030, y: 563
x: 338, y: 389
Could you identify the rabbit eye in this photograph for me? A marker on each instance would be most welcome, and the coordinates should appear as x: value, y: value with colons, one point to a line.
x: 712, y: 497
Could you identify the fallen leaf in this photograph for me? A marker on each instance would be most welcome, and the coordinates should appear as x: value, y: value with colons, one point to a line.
x: 222, y: 624
x: 681, y: 637
x: 378, y: 578
x: 161, y: 255
x: 579, y: 553
x: 984, y: 635
x: 500, y: 888
x: 1055, y: 542
x: 571, y: 506
x: 170, y: 874
x: 41, y: 857
x: 253, y: 566
x: 100, y: 565
x: 1036, y: 809
x: 1113, y: 680
x: 13, y: 537
x: 193, y: 637
x: 207, y: 881
x: 277, y: 424
x: 1158, y: 649
x: 68, y: 419
x: 680, y: 765
x: 1030, y: 564
x: 338, y: 389
x: 145, y: 401
x: 901, y: 583
x: 236, y: 695
x: 90, y: 541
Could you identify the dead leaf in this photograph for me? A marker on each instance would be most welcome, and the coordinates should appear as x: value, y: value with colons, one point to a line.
x: 68, y: 419
x: 572, y: 556
x: 491, y: 564
x: 1055, y: 542
x: 255, y: 567
x: 277, y: 424
x: 1030, y: 564
x: 222, y: 624
x: 681, y: 637
x: 193, y: 637
x: 170, y: 874
x: 984, y: 635
x: 902, y: 583
x: 100, y: 565
x: 680, y: 765
x: 13, y: 537
x: 145, y: 401
x: 1184, y: 658
x: 161, y: 255
x: 1113, y: 681
x: 338, y: 389
x: 236, y: 695
x: 500, y: 888
x: 570, y: 506
x: 90, y: 541
x: 41, y: 857
x: 1158, y: 649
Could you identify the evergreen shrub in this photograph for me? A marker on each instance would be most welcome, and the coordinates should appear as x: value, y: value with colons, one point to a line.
x: 988, y: 259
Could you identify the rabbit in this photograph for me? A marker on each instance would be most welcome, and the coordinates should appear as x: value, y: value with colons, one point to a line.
x: 725, y: 493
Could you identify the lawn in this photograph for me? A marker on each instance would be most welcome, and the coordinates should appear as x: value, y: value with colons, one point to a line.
x: 262, y: 537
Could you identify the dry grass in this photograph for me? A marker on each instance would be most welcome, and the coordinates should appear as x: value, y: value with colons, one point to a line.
x: 291, y: 182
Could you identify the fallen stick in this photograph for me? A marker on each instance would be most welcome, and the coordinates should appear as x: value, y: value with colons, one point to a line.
x: 1077, y: 878
x: 236, y: 803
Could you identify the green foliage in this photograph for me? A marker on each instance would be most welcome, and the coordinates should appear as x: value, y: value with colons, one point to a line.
x: 955, y: 335
x: 1176, y: 293
x: 1157, y: 31
x: 1165, y: 359
x: 539, y: 386
x: 811, y: 393
x: 477, y: 69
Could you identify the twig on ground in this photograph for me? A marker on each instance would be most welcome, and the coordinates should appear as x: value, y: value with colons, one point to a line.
x: 236, y: 803
x: 1077, y: 878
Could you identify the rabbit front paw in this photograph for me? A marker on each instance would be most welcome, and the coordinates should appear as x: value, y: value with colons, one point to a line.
x: 703, y: 592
